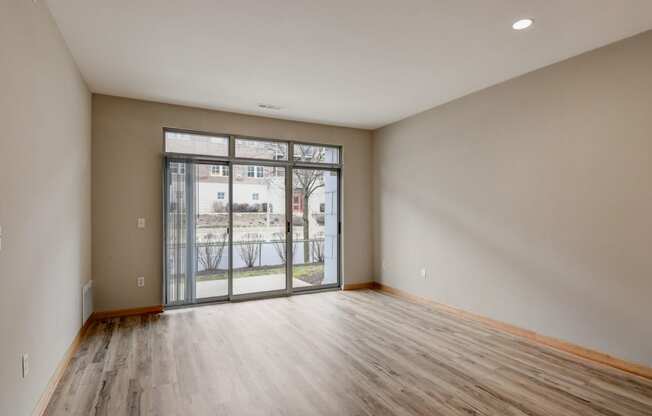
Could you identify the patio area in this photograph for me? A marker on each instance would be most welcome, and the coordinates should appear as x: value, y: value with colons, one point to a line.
x: 241, y: 285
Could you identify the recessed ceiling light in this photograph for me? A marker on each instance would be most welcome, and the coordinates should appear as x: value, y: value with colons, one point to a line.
x: 269, y: 107
x: 522, y: 24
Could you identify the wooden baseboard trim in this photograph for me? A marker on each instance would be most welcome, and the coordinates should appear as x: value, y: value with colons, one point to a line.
x: 358, y: 286
x: 45, y: 398
x: 147, y: 310
x: 586, y: 353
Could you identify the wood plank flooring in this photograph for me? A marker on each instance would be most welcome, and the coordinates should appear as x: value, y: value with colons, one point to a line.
x: 335, y: 353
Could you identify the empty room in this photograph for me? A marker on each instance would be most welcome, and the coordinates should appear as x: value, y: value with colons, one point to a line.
x: 326, y: 207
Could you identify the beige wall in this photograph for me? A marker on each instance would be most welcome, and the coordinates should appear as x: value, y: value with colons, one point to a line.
x: 530, y: 202
x: 127, y: 166
x: 45, y: 114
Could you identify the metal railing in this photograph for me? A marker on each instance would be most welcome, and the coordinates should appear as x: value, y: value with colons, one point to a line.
x: 255, y: 253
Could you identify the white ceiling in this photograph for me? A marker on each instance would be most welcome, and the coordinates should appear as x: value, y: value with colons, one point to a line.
x: 358, y: 63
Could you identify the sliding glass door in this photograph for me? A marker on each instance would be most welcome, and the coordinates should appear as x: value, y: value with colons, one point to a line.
x: 248, y: 218
x: 259, y: 229
x: 197, y: 232
x: 315, y: 212
x: 211, y: 231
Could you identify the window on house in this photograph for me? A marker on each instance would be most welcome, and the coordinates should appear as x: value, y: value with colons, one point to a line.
x: 278, y: 171
x: 255, y: 196
x: 178, y: 168
x: 220, y: 195
x: 255, y: 171
x: 219, y: 170
x: 297, y: 202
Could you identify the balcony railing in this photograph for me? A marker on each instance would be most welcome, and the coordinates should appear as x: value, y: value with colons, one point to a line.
x: 250, y: 253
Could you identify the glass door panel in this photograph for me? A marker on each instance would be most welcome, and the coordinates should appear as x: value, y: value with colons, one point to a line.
x: 176, y: 233
x: 211, y: 231
x: 259, y: 229
x: 315, y: 228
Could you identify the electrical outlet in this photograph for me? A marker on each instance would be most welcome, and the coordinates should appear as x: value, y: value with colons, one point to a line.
x: 383, y: 265
x: 141, y: 223
x: 140, y: 281
x: 423, y: 273
x: 25, y: 364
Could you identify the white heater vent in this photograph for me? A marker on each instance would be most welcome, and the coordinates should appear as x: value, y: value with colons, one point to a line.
x: 87, y: 301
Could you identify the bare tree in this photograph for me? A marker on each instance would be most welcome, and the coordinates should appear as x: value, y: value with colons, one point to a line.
x: 307, y: 182
x: 318, y: 250
x: 249, y: 249
x: 280, y: 245
x: 210, y: 253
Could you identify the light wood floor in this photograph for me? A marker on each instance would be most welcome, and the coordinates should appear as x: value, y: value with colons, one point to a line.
x: 334, y: 353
